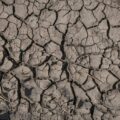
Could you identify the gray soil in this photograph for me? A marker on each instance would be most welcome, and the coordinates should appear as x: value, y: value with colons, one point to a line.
x: 59, y: 59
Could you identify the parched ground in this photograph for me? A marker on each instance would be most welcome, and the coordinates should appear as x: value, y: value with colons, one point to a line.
x: 59, y: 59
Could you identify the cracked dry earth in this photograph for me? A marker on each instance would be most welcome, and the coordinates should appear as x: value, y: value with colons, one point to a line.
x: 59, y: 59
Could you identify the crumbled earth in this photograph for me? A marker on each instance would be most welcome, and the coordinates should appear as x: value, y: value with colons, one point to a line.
x: 59, y: 59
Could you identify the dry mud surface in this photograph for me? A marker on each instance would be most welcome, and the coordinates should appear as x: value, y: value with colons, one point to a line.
x: 59, y: 59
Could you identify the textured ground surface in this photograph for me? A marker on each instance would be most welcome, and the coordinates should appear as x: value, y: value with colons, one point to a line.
x: 59, y: 59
